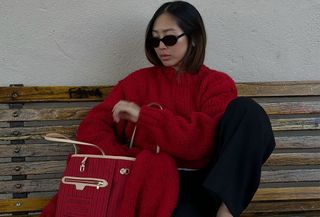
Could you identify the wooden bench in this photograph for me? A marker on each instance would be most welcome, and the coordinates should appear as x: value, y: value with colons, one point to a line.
x: 30, y: 167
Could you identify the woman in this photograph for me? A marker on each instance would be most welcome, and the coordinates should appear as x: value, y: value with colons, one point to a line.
x: 202, y: 125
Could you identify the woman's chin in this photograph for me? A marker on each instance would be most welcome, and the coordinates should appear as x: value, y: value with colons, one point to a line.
x: 168, y: 63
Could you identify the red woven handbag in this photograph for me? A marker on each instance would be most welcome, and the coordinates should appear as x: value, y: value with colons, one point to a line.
x: 92, y: 185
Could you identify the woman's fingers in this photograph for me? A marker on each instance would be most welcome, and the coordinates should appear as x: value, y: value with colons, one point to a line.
x: 125, y: 110
x: 116, y: 111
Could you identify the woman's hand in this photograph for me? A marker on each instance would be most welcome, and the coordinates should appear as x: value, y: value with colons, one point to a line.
x: 125, y: 110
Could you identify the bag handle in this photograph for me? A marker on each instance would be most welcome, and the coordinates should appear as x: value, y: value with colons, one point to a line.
x: 153, y: 104
x: 57, y: 137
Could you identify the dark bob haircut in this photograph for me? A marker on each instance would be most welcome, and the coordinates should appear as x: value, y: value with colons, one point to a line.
x: 190, y: 21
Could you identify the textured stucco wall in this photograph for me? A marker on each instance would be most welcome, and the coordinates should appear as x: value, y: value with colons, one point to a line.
x: 80, y: 42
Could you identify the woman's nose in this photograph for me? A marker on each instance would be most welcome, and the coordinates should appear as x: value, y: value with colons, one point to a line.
x: 162, y: 45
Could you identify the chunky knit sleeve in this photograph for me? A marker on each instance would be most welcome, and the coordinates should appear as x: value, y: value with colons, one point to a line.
x: 191, y: 138
x: 99, y: 128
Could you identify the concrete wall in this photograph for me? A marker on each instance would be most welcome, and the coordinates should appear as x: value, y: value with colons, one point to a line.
x: 97, y: 42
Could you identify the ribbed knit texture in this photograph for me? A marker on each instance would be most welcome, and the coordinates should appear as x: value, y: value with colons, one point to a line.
x: 184, y: 130
x: 152, y: 188
x: 192, y: 107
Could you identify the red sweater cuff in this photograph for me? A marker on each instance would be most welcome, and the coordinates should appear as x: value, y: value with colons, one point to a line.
x: 150, y: 116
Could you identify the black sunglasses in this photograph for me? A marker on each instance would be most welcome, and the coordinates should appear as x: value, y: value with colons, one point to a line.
x: 168, y: 40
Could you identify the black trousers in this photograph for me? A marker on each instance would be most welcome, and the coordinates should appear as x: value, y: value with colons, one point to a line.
x: 244, y: 141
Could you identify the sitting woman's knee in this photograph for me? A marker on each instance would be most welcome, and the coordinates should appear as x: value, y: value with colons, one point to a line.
x: 245, y: 104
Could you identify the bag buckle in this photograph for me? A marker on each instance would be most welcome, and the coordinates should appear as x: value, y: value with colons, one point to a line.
x: 83, y: 164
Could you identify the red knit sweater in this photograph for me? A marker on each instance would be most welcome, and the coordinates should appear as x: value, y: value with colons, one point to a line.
x: 184, y: 129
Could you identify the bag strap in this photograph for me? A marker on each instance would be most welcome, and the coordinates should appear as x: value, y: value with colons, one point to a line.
x: 57, y: 137
x: 153, y: 104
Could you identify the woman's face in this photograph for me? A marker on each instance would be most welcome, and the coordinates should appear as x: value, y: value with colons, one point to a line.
x: 171, y: 56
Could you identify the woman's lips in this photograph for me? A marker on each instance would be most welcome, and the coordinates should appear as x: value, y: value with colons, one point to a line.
x: 164, y: 56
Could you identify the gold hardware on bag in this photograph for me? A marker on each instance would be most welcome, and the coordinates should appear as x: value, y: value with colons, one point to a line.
x: 83, y: 164
x: 81, y: 182
x: 124, y: 171
x: 100, y: 184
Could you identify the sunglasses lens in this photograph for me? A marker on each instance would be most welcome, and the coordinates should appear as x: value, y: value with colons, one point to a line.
x: 154, y: 42
x: 169, y: 40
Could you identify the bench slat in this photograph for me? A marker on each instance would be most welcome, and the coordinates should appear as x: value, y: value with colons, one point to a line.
x: 53, y: 94
x: 29, y: 185
x: 295, y: 175
x: 283, y: 206
x: 26, y: 215
x: 293, y: 159
x: 308, y: 175
x: 43, y: 114
x: 273, y: 194
x: 53, y: 149
x: 287, y: 176
x: 298, y: 142
x: 302, y: 175
x: 304, y: 213
x: 52, y: 184
x: 276, y: 159
x: 88, y: 93
x: 37, y: 132
x: 289, y: 88
x: 291, y: 108
x: 28, y: 150
x: 77, y: 113
x: 24, y: 133
x: 23, y: 204
x: 295, y: 124
x: 290, y: 193
x: 31, y: 168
